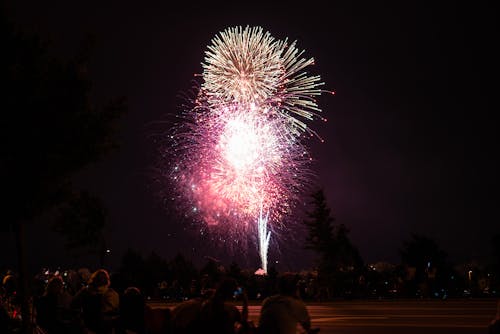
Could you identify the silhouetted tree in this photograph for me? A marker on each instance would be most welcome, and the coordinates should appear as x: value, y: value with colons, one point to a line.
x: 422, y: 252
x: 495, y: 242
x: 81, y: 221
x: 235, y: 272
x: 319, y: 225
x: 156, y: 271
x: 428, y: 260
x: 340, y: 261
x: 133, y: 269
x: 183, y: 271
x: 345, y: 253
x: 211, y: 272
x: 49, y: 129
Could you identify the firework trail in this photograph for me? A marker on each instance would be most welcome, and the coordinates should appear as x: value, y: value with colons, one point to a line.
x: 239, y: 150
x: 264, y: 236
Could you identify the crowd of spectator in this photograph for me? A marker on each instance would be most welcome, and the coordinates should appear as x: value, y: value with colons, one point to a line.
x: 87, y: 303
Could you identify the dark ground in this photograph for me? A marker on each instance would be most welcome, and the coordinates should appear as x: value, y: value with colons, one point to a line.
x: 397, y: 316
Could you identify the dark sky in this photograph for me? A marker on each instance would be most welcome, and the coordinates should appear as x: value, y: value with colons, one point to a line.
x: 410, y: 139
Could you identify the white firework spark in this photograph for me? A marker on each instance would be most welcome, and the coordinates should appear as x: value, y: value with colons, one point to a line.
x: 250, y: 66
x: 242, y: 66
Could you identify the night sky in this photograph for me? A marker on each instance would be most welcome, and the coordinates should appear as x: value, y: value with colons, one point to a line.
x: 410, y: 138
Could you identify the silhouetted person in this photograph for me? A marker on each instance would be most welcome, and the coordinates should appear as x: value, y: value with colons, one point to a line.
x: 186, y: 316
x: 9, y: 287
x: 219, y: 316
x: 494, y: 327
x: 9, y: 303
x: 132, y: 311
x: 99, y: 303
x: 284, y: 313
x: 53, y: 307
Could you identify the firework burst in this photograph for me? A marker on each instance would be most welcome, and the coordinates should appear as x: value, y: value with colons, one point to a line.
x: 250, y: 66
x: 239, y: 150
x: 242, y: 66
x: 233, y: 164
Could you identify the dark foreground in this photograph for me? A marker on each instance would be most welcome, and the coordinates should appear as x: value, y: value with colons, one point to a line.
x: 397, y: 316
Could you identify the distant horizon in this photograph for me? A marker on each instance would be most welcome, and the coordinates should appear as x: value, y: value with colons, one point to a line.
x: 59, y: 257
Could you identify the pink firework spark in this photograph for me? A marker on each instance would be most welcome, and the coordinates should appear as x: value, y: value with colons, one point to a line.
x: 235, y: 161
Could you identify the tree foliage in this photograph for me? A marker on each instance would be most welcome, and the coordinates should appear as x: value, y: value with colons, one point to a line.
x: 49, y: 128
x: 319, y: 225
x: 183, y: 271
x: 330, y: 241
x: 81, y: 221
x: 132, y: 269
x: 428, y: 261
x: 422, y: 252
x: 340, y: 260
